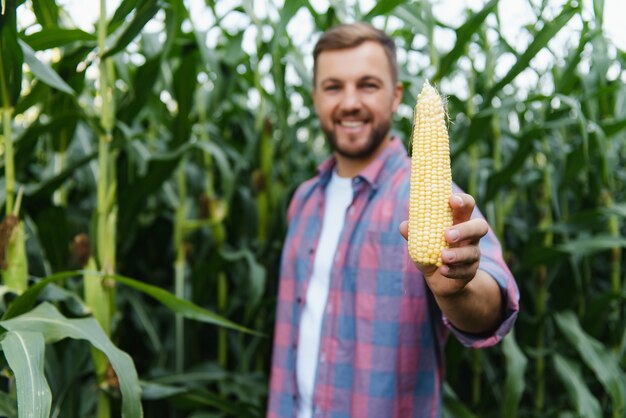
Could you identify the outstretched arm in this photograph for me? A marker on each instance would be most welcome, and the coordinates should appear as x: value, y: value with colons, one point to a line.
x: 469, y: 297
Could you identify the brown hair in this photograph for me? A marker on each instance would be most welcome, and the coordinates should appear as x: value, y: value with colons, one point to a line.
x: 351, y: 35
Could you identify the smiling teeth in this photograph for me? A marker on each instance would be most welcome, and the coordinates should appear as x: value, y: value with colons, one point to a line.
x: 351, y: 124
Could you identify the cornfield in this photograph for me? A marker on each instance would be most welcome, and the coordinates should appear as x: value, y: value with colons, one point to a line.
x: 148, y: 160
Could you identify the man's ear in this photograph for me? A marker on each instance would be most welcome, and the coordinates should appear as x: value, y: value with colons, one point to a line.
x: 397, y: 96
x: 314, y: 97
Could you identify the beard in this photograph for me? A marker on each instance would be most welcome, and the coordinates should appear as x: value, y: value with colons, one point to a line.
x: 376, y: 137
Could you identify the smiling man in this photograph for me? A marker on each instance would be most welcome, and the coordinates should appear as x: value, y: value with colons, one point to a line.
x: 360, y: 329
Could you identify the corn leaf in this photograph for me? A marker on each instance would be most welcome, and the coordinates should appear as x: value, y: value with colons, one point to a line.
x: 516, y: 363
x: 43, y: 71
x: 382, y: 8
x: 452, y: 405
x: 47, y: 12
x: 539, y: 42
x: 121, y: 12
x: 463, y: 37
x: 47, y: 321
x: 287, y: 12
x: 11, y: 57
x: 256, y: 274
x: 180, y: 306
x: 587, y: 406
x: 144, y: 13
x: 596, y: 356
x: 57, y: 37
x: 184, y: 88
x: 412, y: 17
x: 133, y: 192
x: 15, y: 276
x: 8, y: 405
x: 25, y: 301
x: 205, y: 398
x: 24, y: 351
x: 586, y: 245
x: 44, y: 190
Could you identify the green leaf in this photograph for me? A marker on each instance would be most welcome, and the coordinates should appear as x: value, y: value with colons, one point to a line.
x: 382, y: 8
x: 180, y: 306
x: 57, y: 37
x: 144, y: 13
x: 586, y: 245
x: 597, y: 357
x: 138, y: 95
x: 15, y: 276
x: 11, y: 57
x: 452, y: 406
x: 586, y: 404
x: 47, y: 321
x: 256, y: 273
x: 287, y: 12
x: 153, y: 391
x: 122, y: 11
x: 26, y: 143
x: 24, y: 351
x: 540, y: 41
x: 43, y: 71
x: 514, y: 385
x: 8, y: 405
x: 412, y: 17
x: 134, y: 191
x: 184, y: 87
x: 47, y: 12
x: 25, y: 301
x: 463, y: 37
x: 204, y: 398
x: 45, y: 189
x: 52, y: 227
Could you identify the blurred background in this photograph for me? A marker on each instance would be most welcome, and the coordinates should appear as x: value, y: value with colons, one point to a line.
x: 150, y: 148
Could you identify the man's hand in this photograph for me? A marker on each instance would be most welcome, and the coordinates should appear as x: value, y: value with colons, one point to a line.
x: 462, y: 259
x: 468, y: 296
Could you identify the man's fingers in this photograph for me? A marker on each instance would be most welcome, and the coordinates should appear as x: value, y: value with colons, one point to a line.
x: 462, y: 205
x: 404, y: 229
x: 470, y: 231
x: 462, y: 255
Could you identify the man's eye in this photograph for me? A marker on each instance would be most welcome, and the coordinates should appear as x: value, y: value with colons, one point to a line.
x: 370, y: 86
x: 331, y: 87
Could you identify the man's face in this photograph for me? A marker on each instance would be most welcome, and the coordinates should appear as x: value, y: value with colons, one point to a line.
x: 355, y: 98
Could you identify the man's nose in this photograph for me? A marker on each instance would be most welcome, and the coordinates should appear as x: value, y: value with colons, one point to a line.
x: 350, y: 100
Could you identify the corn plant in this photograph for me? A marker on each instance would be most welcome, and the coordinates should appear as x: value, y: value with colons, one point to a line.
x: 157, y: 150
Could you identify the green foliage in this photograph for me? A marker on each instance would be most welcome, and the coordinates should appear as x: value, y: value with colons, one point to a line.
x: 208, y: 128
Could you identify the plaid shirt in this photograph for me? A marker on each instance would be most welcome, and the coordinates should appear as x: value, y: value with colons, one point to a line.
x: 381, y: 350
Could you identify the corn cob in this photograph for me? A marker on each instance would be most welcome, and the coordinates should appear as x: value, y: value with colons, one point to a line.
x: 431, y: 180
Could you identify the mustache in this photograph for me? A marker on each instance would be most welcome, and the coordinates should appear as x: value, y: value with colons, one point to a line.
x: 358, y: 113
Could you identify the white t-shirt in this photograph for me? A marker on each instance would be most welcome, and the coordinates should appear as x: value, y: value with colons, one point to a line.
x: 338, y: 198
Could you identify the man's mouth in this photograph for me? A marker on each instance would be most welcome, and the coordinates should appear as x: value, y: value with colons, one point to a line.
x: 352, y: 124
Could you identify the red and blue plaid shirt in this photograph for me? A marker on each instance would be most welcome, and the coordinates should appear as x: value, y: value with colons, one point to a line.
x: 381, y: 349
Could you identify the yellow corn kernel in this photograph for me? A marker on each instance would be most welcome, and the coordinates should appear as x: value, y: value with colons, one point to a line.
x: 431, y: 179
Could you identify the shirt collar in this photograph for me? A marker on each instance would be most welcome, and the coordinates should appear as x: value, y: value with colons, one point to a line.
x: 392, y: 154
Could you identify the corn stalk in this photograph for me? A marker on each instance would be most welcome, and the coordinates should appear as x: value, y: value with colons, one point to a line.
x: 542, y: 294
x: 100, y: 291
x: 179, y: 263
x: 12, y: 236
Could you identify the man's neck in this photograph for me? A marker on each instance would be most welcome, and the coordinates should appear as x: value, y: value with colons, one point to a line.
x: 351, y: 167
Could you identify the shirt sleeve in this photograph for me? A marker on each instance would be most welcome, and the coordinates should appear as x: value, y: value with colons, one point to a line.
x: 492, y: 262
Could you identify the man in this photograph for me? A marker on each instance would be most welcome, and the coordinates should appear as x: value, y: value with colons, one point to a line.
x: 360, y: 329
